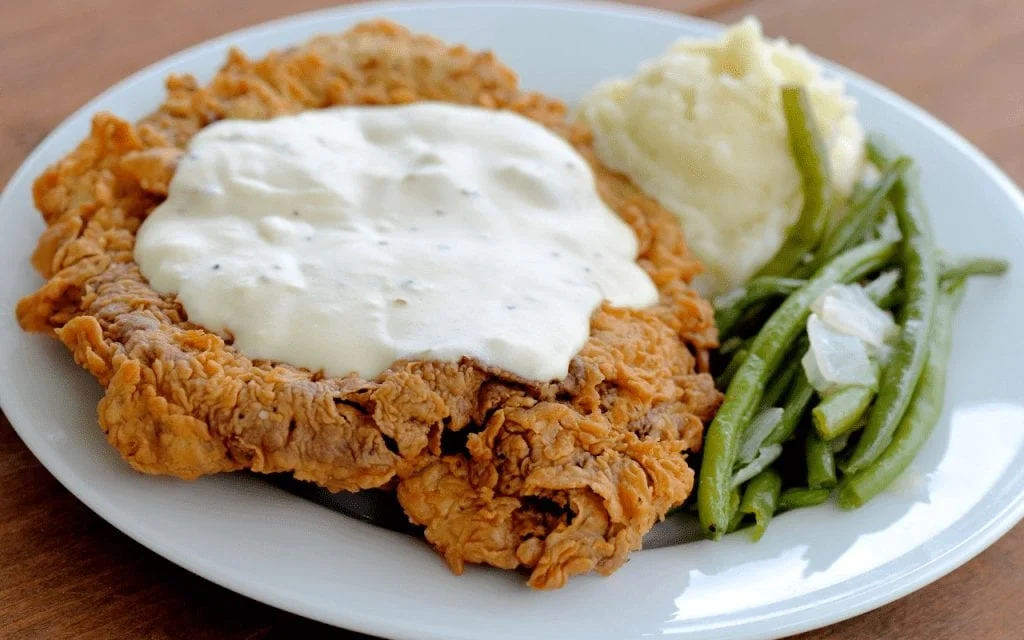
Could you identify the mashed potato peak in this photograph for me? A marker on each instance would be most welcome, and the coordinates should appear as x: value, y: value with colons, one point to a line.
x: 701, y: 129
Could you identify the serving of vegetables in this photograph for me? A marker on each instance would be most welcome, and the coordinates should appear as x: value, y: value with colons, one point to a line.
x: 826, y: 392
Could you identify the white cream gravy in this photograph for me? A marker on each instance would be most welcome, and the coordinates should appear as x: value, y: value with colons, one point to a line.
x: 348, y: 238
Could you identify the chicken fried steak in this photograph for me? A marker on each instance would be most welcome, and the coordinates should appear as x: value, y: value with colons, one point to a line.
x: 558, y: 478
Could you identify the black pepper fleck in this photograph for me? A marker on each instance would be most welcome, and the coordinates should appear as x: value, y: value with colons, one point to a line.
x: 295, y: 213
x: 407, y: 284
x: 586, y: 269
x: 264, y: 279
x: 191, y: 156
x: 309, y: 238
x: 555, y: 254
x: 438, y: 212
x: 510, y: 307
x: 383, y: 243
x: 469, y: 193
x: 216, y: 267
x: 276, y: 267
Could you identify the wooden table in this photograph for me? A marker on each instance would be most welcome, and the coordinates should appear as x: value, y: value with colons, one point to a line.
x: 66, y: 573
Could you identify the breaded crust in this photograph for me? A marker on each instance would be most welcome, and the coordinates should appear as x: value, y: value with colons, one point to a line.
x: 558, y: 478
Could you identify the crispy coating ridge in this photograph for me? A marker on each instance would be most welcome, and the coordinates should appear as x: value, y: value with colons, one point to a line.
x: 559, y: 478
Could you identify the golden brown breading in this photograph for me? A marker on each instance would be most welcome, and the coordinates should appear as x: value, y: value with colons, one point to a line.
x: 560, y: 478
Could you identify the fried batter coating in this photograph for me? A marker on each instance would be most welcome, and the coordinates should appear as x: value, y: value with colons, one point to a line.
x: 559, y: 478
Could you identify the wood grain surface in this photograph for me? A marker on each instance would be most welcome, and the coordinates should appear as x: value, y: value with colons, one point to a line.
x: 65, y: 573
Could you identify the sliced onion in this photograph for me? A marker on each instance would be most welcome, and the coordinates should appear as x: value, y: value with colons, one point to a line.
x: 890, y: 228
x: 883, y: 282
x: 764, y: 458
x: 870, y: 175
x: 836, y: 359
x: 848, y: 310
x: 814, y: 375
x: 757, y: 432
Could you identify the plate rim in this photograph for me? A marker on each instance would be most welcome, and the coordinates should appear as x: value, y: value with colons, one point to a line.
x: 792, y: 620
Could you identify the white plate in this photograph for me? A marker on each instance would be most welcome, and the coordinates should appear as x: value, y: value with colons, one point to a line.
x: 813, y: 567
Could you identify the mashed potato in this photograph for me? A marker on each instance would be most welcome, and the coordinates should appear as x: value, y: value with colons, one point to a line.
x: 701, y: 130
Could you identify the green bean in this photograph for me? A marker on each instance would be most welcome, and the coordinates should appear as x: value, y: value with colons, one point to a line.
x: 838, y: 444
x: 731, y: 345
x: 729, y: 308
x: 745, y: 389
x: 892, y: 300
x: 793, y: 410
x: 784, y: 379
x: 919, y: 421
x: 761, y: 498
x: 903, y: 370
x: 859, y: 219
x: 734, y: 506
x: 811, y: 156
x: 967, y: 267
x: 840, y: 411
x: 860, y: 189
x: 800, y: 497
x: 725, y: 379
x: 821, y: 463
x: 798, y: 395
x: 749, y: 322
